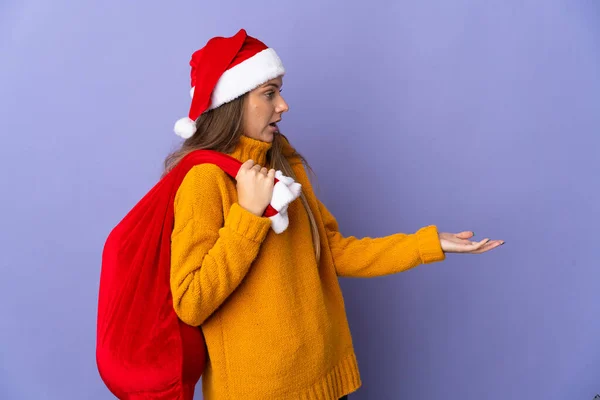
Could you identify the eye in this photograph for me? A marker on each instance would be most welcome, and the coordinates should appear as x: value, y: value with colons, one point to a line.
x: 270, y: 94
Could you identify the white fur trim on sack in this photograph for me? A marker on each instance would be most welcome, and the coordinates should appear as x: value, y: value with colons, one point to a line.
x: 284, y: 192
x: 279, y: 222
x: 294, y: 186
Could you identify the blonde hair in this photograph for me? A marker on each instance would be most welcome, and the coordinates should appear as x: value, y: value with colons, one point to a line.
x: 220, y: 130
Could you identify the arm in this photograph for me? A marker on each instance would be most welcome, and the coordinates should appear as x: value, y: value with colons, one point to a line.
x: 370, y: 257
x: 210, y: 255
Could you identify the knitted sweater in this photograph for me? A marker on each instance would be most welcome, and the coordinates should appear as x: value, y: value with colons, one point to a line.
x: 273, y: 318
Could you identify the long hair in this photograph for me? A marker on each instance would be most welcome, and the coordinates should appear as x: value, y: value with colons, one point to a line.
x: 220, y: 130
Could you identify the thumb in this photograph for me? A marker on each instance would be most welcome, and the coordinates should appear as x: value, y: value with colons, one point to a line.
x: 465, y: 235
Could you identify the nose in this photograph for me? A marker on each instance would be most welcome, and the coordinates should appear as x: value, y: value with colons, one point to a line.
x: 282, y: 105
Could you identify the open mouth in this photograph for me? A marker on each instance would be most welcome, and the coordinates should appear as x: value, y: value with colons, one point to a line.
x: 274, y: 125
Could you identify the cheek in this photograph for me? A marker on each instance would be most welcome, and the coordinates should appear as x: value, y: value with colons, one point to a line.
x: 262, y: 116
x: 259, y: 116
x: 251, y: 113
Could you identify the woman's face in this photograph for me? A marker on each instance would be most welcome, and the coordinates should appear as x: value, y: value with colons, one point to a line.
x: 263, y: 109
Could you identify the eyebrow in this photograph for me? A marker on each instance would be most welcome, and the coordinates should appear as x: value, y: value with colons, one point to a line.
x: 272, y: 84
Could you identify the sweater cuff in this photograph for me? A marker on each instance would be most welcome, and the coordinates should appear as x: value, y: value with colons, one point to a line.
x: 430, y: 247
x: 246, y: 224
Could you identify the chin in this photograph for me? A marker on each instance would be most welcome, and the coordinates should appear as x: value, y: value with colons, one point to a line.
x: 268, y: 137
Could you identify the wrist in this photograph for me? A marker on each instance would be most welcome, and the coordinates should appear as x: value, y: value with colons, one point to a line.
x: 253, y: 210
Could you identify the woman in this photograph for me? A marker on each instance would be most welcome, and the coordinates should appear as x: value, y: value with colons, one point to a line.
x: 269, y: 304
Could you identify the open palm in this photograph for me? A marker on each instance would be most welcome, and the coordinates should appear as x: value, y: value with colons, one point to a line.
x: 460, y: 243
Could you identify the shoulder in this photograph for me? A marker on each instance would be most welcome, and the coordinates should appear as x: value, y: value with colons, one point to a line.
x: 203, y: 181
x: 206, y: 173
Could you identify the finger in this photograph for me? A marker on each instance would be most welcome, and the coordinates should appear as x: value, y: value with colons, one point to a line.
x: 478, y: 245
x: 461, y: 242
x: 271, y: 174
x: 247, y: 165
x: 488, y: 246
x: 465, y: 234
x: 264, y: 170
x: 256, y: 167
x: 244, y: 167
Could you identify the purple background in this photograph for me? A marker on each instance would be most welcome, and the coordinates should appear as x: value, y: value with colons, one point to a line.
x: 470, y: 115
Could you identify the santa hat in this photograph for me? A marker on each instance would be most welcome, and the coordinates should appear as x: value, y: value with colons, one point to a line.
x: 223, y: 70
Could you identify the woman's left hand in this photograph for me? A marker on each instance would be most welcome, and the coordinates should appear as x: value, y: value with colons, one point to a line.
x: 460, y: 243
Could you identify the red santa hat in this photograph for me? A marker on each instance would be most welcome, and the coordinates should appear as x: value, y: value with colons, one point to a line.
x: 223, y: 70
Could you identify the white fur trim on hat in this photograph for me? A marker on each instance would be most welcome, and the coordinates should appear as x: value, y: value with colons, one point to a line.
x: 245, y: 76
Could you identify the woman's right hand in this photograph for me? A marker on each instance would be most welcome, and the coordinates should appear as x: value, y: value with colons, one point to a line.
x: 255, y: 187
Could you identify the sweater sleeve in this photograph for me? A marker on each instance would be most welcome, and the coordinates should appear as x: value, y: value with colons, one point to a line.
x: 371, y: 257
x: 210, y: 254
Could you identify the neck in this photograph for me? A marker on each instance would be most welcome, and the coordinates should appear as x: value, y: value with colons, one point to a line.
x: 251, y: 149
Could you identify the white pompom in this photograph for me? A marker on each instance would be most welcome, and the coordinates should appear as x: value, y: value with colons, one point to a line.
x: 185, y: 127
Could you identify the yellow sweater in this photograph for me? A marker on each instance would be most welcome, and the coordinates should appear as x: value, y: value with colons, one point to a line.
x: 273, y: 319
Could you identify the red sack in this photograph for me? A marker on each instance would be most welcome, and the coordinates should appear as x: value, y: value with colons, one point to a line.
x: 143, y: 350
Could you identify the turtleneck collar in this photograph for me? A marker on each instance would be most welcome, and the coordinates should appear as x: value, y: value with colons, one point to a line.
x: 251, y: 149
